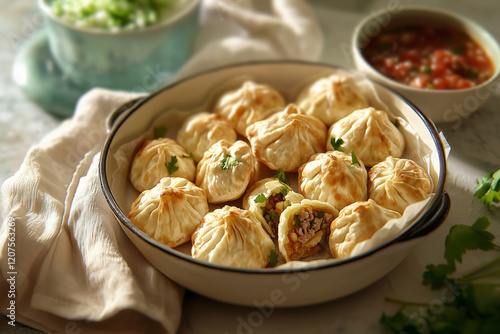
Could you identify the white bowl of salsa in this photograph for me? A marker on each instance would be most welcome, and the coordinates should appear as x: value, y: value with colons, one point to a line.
x: 444, y: 63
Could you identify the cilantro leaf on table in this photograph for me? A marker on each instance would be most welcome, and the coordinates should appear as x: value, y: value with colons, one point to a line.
x: 469, y: 304
x: 488, y: 188
x: 462, y: 238
x: 398, y: 323
x: 436, y: 276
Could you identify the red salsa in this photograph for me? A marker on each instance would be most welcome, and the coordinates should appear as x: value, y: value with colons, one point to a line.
x: 434, y: 58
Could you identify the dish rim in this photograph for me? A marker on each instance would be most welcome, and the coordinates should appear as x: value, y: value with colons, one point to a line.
x: 429, y: 210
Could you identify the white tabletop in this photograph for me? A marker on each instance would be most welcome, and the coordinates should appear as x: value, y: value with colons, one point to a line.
x: 475, y: 151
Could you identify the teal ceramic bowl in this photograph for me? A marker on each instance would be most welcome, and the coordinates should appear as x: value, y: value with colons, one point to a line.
x: 138, y: 60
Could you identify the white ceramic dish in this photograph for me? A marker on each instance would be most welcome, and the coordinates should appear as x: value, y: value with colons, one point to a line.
x: 280, y: 287
x: 442, y: 106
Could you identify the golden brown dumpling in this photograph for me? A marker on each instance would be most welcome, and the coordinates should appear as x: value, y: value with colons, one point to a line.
x: 332, y: 177
x: 160, y: 158
x: 331, y: 98
x: 248, y: 104
x: 302, y: 226
x: 170, y: 211
x: 396, y: 183
x: 267, y: 199
x: 355, y: 223
x: 287, y: 139
x: 202, y: 130
x: 225, y: 170
x: 232, y: 237
x: 370, y: 134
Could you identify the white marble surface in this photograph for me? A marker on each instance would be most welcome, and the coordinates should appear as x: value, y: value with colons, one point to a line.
x: 475, y: 151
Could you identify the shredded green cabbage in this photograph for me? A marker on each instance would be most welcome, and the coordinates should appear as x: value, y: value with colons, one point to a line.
x: 110, y: 14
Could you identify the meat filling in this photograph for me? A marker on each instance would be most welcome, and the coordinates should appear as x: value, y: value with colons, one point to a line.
x: 310, y: 221
x: 274, y: 207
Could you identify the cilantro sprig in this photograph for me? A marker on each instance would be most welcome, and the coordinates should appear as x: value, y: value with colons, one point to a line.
x: 228, y: 161
x: 476, y: 296
x: 354, y: 159
x: 273, y: 258
x: 337, y: 144
x: 488, y: 188
x: 282, y: 177
x: 260, y: 198
x: 172, y: 165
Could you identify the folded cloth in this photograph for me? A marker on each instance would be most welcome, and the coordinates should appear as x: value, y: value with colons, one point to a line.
x: 67, y: 266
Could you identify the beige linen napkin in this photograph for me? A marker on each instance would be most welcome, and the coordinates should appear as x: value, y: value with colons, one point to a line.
x: 75, y: 271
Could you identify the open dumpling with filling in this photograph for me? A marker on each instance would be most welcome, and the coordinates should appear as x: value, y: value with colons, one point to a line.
x: 248, y: 104
x: 160, y: 158
x: 332, y: 177
x: 267, y: 199
x: 225, y: 170
x: 355, y: 223
x: 170, y: 211
x: 370, y: 134
x: 331, y: 98
x: 302, y: 227
x: 232, y: 237
x: 287, y: 139
x: 396, y: 183
x: 202, y: 130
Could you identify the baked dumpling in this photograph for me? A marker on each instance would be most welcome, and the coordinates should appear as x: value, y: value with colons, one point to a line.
x: 232, y: 237
x: 225, y: 170
x: 396, y: 183
x: 202, y: 130
x: 170, y: 211
x: 331, y: 98
x: 248, y: 104
x: 302, y: 226
x: 160, y: 158
x: 267, y: 199
x: 287, y: 139
x: 332, y: 177
x: 355, y: 223
x: 370, y: 134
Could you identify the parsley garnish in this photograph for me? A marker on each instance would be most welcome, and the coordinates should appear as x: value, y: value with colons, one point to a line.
x: 336, y: 144
x: 282, y: 177
x: 171, y: 166
x: 284, y: 191
x: 320, y: 214
x: 297, y: 221
x: 354, y: 159
x: 261, y: 198
x: 488, y: 188
x: 228, y: 161
x: 273, y: 259
x: 160, y: 131
x: 190, y: 156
